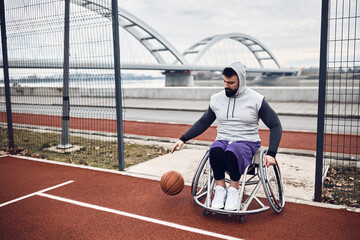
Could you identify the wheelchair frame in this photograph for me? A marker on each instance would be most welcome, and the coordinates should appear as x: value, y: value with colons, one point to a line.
x: 255, y: 174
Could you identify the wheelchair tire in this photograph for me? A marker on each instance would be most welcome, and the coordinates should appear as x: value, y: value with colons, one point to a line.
x: 199, y: 183
x: 206, y: 212
x: 273, y: 185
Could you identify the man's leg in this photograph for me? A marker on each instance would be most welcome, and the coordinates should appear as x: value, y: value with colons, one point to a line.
x: 232, y: 167
x: 217, y: 162
x: 238, y: 157
x: 233, y: 194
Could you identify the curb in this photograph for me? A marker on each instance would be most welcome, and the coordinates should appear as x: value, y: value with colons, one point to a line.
x: 197, y: 143
x: 204, y: 109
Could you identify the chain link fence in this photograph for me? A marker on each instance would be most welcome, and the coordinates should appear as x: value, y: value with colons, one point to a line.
x: 35, y: 48
x: 340, y: 143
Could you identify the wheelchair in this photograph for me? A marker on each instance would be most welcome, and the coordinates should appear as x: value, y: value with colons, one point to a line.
x: 255, y: 175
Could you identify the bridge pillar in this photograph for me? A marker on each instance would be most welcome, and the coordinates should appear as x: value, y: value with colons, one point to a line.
x: 178, y: 79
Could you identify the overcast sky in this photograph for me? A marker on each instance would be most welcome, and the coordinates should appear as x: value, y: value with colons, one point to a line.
x: 289, y: 28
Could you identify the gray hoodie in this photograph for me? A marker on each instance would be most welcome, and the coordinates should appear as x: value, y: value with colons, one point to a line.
x: 238, y: 115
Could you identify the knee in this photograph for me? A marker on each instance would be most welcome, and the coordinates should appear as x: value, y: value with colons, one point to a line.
x: 232, y: 166
x: 230, y: 156
x: 217, y: 156
x: 216, y: 152
x: 231, y: 161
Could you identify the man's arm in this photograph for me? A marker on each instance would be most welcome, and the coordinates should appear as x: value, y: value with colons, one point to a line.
x: 271, y: 120
x: 196, y: 129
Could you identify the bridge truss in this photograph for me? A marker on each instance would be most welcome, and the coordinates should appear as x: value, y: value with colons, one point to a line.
x: 259, y: 50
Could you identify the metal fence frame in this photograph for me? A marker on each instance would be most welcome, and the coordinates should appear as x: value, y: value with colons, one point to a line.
x: 6, y: 76
x: 321, y: 101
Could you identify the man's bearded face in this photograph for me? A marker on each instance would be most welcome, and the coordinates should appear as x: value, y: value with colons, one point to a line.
x: 231, y: 85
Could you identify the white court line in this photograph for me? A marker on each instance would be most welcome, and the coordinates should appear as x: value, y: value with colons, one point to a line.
x: 143, y: 218
x: 35, y: 193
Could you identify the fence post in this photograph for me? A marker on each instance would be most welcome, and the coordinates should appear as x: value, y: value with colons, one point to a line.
x: 116, y: 48
x: 6, y: 76
x: 321, y: 100
x: 66, y: 101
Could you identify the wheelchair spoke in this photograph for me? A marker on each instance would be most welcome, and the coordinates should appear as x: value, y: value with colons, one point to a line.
x: 199, y: 186
x: 202, y: 185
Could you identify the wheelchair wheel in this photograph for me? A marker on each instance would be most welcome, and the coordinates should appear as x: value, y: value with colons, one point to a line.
x: 199, y: 184
x: 207, y: 212
x: 273, y: 185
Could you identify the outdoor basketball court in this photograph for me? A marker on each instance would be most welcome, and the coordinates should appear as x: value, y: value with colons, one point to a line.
x: 41, y: 200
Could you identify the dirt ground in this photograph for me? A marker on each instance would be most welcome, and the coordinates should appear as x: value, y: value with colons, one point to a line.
x: 342, y: 187
x: 89, y: 152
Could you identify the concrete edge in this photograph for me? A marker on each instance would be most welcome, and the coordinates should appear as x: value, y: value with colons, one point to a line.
x: 78, y: 166
x: 323, y: 205
x: 150, y: 177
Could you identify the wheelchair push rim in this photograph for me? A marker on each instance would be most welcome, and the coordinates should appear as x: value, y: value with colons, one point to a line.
x: 272, y: 183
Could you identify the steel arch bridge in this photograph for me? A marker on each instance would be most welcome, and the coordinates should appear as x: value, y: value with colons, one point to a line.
x: 156, y: 44
x: 260, y: 52
x: 146, y: 35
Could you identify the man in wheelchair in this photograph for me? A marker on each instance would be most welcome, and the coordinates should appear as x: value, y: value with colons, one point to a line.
x: 237, y: 109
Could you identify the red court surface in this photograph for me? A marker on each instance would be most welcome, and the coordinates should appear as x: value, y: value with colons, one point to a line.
x: 108, y: 205
x: 340, y: 143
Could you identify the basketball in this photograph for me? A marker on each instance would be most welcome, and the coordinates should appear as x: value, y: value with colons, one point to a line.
x: 172, y: 183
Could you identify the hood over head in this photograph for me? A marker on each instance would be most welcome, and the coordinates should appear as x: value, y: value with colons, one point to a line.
x: 240, y: 70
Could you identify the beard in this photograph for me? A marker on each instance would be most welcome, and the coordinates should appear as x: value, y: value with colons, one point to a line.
x: 229, y: 92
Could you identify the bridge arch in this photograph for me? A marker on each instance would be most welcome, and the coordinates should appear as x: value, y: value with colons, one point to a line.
x: 259, y: 50
x: 146, y: 35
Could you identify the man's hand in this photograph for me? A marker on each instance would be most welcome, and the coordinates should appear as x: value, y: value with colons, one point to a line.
x: 177, y: 145
x: 268, y: 160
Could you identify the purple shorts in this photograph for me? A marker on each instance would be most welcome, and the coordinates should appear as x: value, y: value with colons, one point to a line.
x: 242, y: 150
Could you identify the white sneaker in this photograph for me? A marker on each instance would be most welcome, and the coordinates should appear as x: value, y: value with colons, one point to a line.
x: 219, y: 198
x: 233, y: 198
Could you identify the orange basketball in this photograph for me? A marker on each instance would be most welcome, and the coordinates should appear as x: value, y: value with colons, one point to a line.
x: 172, y: 183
